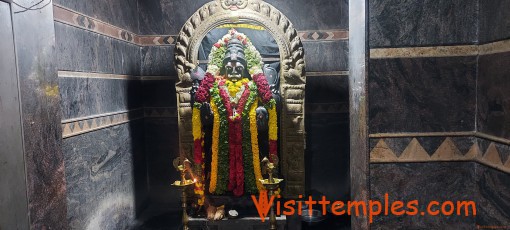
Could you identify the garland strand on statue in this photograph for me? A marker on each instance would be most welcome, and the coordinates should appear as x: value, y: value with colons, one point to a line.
x: 199, y: 153
x: 249, y: 171
x: 222, y: 147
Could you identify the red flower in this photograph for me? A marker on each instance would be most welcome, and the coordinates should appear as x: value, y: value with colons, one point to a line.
x: 263, y: 87
x: 203, y: 90
x: 218, y: 45
x: 198, y: 151
x: 225, y: 40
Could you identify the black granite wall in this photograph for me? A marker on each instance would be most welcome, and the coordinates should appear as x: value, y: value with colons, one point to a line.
x: 419, y: 94
x: 446, y: 105
x: 326, y: 94
x: 493, y: 111
x: 34, y: 38
x: 104, y: 168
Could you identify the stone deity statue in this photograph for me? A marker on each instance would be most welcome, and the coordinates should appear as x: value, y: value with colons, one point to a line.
x: 234, y: 121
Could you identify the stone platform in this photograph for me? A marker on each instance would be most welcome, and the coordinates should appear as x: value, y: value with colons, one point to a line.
x: 245, y: 223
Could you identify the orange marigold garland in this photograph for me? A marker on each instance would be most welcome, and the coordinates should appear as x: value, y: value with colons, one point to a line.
x: 273, y: 131
x: 198, y: 152
x: 214, y: 148
x: 255, y: 145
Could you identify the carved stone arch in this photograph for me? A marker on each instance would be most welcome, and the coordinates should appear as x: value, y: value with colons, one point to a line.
x: 292, y: 77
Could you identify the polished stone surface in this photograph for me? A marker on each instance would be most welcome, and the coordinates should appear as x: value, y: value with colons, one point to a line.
x: 86, y: 97
x: 327, y: 89
x: 159, y: 93
x: 423, y: 182
x: 493, y: 95
x: 34, y: 35
x: 396, y: 23
x: 100, y: 173
x: 168, y: 16
x: 158, y: 61
x: 120, y: 13
x: 422, y: 95
x: 494, y: 20
x: 326, y: 56
x: 161, y: 148
x: 84, y: 51
x: 327, y: 156
x: 315, y: 15
x: 13, y: 190
x: 493, y: 204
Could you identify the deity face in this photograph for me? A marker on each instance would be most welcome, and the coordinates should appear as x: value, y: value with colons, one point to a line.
x: 234, y: 70
x: 234, y: 61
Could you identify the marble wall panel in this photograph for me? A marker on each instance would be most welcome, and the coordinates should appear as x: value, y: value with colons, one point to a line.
x: 100, y: 174
x: 494, y: 20
x: 493, y: 187
x: 120, y: 13
x: 424, y: 182
x: 158, y: 61
x: 398, y: 23
x: 493, y: 95
x: 422, y: 94
x: 84, y: 51
x: 34, y: 37
x: 326, y: 56
x: 327, y: 89
x: 168, y: 16
x: 91, y: 96
x: 161, y: 148
x: 327, y: 156
x: 159, y: 93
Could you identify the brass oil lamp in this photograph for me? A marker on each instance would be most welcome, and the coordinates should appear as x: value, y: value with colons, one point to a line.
x: 271, y: 184
x: 183, y: 167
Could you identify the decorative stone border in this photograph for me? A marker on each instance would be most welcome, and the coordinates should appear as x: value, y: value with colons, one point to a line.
x: 79, y: 20
x: 71, y: 74
x: 484, y: 149
x: 77, y: 126
x: 441, y: 51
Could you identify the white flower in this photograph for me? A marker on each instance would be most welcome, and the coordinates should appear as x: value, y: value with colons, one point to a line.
x: 255, y: 70
x: 213, y: 69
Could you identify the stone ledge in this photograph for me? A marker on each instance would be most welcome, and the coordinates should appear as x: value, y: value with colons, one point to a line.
x: 245, y: 223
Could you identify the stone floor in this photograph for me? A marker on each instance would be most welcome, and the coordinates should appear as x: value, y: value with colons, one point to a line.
x: 161, y: 218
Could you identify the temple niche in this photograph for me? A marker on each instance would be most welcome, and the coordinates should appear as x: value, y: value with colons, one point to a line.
x: 241, y: 99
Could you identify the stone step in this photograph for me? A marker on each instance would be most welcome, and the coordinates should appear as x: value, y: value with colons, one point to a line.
x: 245, y: 223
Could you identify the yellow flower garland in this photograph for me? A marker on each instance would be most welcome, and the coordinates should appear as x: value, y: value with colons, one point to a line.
x: 197, y: 124
x: 215, y: 138
x: 235, y: 87
x: 273, y: 127
x: 255, y: 144
x: 197, y: 134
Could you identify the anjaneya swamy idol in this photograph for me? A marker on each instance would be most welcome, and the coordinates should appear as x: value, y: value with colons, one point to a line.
x: 234, y: 117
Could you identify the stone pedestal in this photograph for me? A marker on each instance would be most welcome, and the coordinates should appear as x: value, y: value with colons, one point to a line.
x: 246, y: 223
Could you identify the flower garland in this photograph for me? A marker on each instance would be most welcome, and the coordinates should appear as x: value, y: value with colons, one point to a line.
x: 214, y: 148
x: 236, y: 172
x: 218, y: 50
x: 255, y: 145
x: 235, y: 151
x: 236, y: 88
x: 249, y: 172
x: 205, y: 86
x: 199, y: 153
x: 273, y: 132
x: 221, y: 146
x: 197, y: 134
